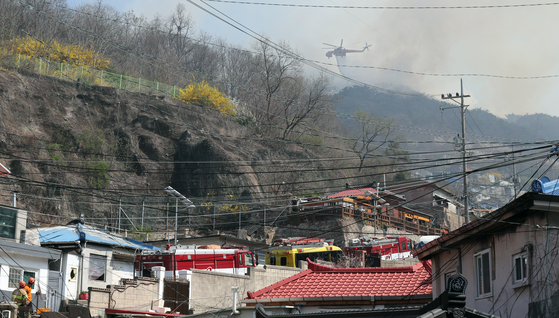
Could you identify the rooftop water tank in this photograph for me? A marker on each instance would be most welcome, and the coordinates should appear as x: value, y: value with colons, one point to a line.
x: 544, y: 185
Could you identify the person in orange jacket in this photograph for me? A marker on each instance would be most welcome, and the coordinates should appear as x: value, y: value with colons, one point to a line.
x: 29, y: 289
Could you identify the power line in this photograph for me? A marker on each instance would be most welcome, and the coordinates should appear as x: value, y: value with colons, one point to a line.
x: 387, y: 7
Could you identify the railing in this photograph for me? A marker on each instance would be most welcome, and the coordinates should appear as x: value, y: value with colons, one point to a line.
x: 381, y: 220
x: 89, y: 76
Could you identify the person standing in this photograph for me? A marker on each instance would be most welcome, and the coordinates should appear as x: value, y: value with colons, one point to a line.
x: 29, y: 289
x: 19, y: 295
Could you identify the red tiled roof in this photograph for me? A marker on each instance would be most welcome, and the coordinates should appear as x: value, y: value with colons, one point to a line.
x: 351, y: 193
x: 324, y: 281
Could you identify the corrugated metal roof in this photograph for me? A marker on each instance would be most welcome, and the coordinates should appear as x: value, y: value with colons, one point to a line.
x: 69, y: 233
x: 30, y: 250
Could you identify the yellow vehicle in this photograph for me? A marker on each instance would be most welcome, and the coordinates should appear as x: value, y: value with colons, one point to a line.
x: 288, y: 252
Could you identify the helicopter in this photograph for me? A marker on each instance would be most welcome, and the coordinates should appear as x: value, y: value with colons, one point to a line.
x: 341, y: 51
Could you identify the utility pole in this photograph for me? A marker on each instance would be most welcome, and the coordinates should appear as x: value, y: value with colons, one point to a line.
x: 143, y: 204
x: 514, y: 176
x: 462, y: 107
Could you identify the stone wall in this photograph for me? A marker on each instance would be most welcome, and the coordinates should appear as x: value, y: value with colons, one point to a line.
x: 212, y: 290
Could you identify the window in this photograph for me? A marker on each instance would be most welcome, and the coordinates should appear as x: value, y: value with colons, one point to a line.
x: 27, y: 275
x: 272, y: 259
x: 482, y: 264
x: 8, y: 219
x: 15, y: 277
x: 18, y: 275
x: 97, y: 267
x: 74, y: 273
x: 248, y: 259
x: 520, y: 268
x: 54, y: 265
x: 283, y: 261
x: 403, y: 246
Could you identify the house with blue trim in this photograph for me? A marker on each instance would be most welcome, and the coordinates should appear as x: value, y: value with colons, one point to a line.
x: 91, y: 257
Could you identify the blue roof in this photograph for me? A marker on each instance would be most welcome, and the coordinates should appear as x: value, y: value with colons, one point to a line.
x: 70, y: 233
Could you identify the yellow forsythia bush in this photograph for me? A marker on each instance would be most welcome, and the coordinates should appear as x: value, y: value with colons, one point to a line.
x: 58, y: 52
x: 205, y: 95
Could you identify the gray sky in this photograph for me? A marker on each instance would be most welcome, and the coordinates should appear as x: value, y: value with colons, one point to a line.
x: 505, y: 42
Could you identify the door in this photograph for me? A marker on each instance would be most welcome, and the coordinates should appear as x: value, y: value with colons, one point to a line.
x: 53, y: 297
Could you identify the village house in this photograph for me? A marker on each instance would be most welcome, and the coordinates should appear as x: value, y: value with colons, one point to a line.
x: 22, y: 257
x: 509, y: 256
x: 370, y: 205
x: 324, y: 288
x: 433, y: 199
x: 326, y: 292
x: 91, y: 257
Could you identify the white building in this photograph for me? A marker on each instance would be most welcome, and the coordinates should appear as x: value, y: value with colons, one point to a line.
x: 91, y: 257
x: 20, y: 261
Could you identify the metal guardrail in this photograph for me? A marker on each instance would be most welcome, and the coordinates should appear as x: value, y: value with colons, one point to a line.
x: 90, y: 76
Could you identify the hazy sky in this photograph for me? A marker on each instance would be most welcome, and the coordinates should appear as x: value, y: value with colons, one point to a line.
x: 511, y: 41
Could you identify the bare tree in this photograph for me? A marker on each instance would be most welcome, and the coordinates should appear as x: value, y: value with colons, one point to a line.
x: 286, y: 100
x: 312, y: 100
x: 373, y: 133
x: 275, y: 71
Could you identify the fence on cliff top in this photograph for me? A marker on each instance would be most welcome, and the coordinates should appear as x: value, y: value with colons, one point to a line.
x: 89, y: 76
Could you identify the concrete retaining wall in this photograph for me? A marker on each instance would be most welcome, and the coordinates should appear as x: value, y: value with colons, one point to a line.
x: 212, y: 290
x: 131, y: 294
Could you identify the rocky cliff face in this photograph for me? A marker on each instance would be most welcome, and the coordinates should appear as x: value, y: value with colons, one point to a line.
x: 74, y: 149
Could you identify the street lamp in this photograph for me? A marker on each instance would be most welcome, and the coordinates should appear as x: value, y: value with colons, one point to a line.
x: 178, y: 197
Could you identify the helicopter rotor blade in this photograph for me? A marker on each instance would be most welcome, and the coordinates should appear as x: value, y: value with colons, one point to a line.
x: 329, y: 44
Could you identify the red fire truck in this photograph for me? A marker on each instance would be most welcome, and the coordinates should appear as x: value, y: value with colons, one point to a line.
x: 382, y: 248
x: 225, y: 259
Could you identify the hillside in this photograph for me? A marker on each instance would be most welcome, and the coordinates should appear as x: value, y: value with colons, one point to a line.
x: 423, y: 112
x: 75, y: 149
